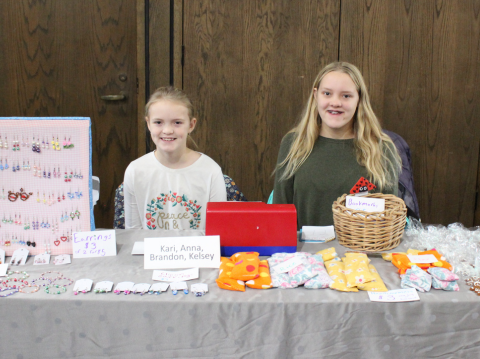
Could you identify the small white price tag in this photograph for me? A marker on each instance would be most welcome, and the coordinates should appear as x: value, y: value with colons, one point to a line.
x: 393, y: 296
x: 41, y: 259
x: 199, y: 287
x: 175, y: 276
x: 423, y: 258
x: 2, y: 256
x: 287, y: 265
x: 3, y: 269
x: 62, y: 259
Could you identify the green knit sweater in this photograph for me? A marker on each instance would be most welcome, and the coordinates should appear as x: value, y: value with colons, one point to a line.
x: 330, y: 171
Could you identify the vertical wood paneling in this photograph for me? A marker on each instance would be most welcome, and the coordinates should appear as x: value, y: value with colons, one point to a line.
x: 427, y: 64
x: 62, y: 56
x: 249, y: 66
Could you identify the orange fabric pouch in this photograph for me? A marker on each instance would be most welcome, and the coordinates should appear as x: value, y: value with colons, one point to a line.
x: 245, y: 266
x: 441, y: 260
x: 264, y: 280
x: 224, y: 281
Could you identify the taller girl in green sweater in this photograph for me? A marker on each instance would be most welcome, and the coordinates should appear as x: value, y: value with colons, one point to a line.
x: 338, y: 140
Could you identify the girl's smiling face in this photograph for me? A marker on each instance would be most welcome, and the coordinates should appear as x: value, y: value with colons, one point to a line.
x: 169, y: 125
x: 337, y: 99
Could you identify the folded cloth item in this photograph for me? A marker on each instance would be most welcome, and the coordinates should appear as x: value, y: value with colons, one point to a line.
x: 356, y: 269
x: 416, y: 278
x: 442, y: 274
x: 264, y: 280
x: 441, y: 260
x: 328, y: 254
x: 322, y: 279
x: 335, y: 268
x: 445, y: 285
x: 376, y: 285
x: 246, y: 266
x: 224, y: 281
x: 295, y: 276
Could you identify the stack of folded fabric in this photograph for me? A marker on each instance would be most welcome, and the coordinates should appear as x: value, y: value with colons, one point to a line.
x: 353, y: 273
x: 444, y: 279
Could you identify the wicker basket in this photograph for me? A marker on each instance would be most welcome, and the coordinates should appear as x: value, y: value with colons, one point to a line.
x: 371, y: 232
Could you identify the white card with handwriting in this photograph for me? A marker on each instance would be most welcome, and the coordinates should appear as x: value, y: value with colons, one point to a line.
x: 319, y: 234
x: 94, y: 244
x: 422, y: 258
x: 288, y: 265
x: 175, y: 276
x: 41, y: 259
x: 3, y: 269
x: 393, y: 296
x: 365, y: 204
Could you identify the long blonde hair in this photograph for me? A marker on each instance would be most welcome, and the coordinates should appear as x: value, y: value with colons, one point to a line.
x: 173, y: 94
x: 372, y: 146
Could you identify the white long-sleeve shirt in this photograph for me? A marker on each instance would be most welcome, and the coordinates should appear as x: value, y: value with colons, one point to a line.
x: 158, y: 197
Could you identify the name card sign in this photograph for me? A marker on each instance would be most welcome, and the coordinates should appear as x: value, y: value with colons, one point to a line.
x: 365, y: 204
x: 422, y: 259
x: 182, y: 252
x: 94, y: 244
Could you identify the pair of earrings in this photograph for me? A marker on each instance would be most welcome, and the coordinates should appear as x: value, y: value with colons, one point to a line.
x: 26, y: 167
x: 67, y: 144
x: 72, y: 195
x: 73, y: 214
x: 16, y: 145
x: 6, y: 164
x: 55, y: 144
x: 3, y: 144
x: 36, y: 146
x: 17, y: 167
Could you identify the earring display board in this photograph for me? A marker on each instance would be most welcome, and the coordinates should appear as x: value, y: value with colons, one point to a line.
x: 46, y: 183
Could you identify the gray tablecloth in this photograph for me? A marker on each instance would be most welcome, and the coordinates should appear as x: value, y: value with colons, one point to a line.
x: 274, y: 323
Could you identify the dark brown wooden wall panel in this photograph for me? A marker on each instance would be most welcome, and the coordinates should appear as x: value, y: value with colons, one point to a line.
x: 249, y: 66
x: 58, y: 58
x: 421, y: 61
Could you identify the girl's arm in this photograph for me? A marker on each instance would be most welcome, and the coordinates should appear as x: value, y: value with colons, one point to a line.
x: 132, y: 217
x: 218, y: 192
x: 283, y: 190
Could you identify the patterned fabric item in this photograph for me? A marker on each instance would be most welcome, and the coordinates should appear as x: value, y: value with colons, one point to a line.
x: 375, y: 286
x: 445, y: 285
x: 328, y: 254
x: 416, y: 278
x: 224, y: 281
x: 233, y: 194
x: 356, y: 269
x: 322, y: 279
x: 335, y: 269
x: 296, y: 276
x: 246, y: 266
x: 443, y: 274
x: 264, y: 280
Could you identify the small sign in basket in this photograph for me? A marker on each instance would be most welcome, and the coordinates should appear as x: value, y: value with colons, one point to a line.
x: 370, y: 231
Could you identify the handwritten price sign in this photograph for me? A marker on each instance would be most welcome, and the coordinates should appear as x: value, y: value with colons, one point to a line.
x: 94, y: 244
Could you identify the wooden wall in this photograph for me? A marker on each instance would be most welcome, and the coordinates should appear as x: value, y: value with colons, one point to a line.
x: 58, y: 58
x: 249, y: 66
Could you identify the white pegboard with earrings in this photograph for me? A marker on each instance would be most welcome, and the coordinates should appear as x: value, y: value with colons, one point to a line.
x: 45, y: 183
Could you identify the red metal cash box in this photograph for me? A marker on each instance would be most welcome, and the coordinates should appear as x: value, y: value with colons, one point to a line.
x: 253, y: 227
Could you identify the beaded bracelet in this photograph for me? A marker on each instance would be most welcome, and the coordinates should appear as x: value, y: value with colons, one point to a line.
x: 55, y: 291
x: 22, y: 289
x: 15, y: 290
x: 15, y: 280
x: 25, y: 275
x: 43, y: 275
x: 61, y: 278
x: 34, y: 281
